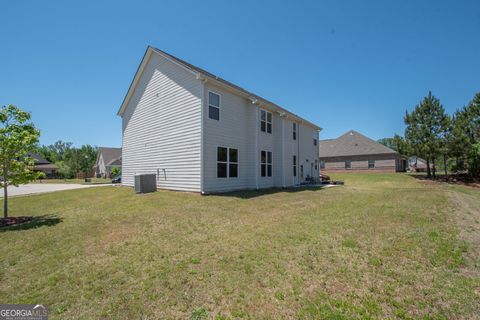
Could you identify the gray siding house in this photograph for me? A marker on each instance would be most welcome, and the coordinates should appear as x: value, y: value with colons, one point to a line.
x: 198, y: 132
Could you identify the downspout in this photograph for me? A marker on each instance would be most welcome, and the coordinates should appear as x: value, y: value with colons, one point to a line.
x: 318, y: 152
x: 255, y: 104
x: 298, y: 154
x: 282, y: 115
x: 203, y: 80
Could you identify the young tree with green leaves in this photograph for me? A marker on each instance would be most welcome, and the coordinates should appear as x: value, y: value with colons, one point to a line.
x: 115, y: 171
x: 427, y: 127
x: 18, y: 136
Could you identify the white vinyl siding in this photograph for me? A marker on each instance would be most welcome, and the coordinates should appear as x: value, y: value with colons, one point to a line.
x: 162, y: 125
x: 234, y: 130
x: 167, y: 131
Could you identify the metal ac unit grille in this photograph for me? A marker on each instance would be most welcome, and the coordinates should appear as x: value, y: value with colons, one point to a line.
x: 145, y: 183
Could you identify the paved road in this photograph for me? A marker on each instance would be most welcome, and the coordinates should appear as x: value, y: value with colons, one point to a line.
x: 34, y: 188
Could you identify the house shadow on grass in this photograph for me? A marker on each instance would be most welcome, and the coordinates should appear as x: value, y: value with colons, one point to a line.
x: 35, y: 222
x: 249, y: 194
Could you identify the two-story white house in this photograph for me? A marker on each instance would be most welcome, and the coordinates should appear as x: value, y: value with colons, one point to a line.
x: 198, y: 132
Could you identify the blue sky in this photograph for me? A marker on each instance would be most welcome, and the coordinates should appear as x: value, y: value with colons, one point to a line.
x: 341, y: 64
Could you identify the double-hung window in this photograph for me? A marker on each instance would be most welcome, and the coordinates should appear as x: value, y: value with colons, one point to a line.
x: 227, y: 162
x: 213, y: 106
x: 294, y: 166
x: 294, y: 132
x: 265, y: 121
x: 322, y: 164
x: 266, y: 164
x: 314, y: 141
x: 316, y: 164
x: 348, y: 164
x: 371, y: 164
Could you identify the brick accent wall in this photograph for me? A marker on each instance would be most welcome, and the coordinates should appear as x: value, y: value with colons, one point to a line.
x: 383, y: 163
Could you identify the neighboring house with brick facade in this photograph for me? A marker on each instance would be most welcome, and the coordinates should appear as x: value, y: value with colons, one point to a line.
x: 354, y: 152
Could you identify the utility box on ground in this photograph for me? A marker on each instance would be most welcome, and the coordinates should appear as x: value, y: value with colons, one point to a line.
x: 145, y: 183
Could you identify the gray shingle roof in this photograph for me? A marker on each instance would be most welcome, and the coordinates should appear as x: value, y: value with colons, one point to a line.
x: 219, y: 79
x: 352, y: 143
x: 109, y: 154
x: 38, y: 158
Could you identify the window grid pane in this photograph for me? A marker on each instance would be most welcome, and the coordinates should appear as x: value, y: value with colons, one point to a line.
x: 221, y: 170
x: 213, y: 99
x: 222, y: 154
x: 214, y: 113
x: 233, y: 170
x: 233, y: 155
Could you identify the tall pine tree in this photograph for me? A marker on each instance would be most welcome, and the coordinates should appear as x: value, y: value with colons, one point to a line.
x: 426, y: 129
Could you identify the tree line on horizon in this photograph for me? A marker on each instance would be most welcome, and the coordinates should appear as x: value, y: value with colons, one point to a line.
x: 70, y: 160
x: 432, y: 134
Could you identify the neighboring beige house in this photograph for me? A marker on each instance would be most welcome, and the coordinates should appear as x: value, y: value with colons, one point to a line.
x: 354, y: 152
x: 107, y: 159
x: 198, y: 132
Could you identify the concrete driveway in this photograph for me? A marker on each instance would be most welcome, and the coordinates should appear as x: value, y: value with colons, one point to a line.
x: 34, y: 188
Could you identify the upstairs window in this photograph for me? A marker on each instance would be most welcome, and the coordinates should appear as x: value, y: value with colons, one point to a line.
x: 348, y: 164
x: 213, y: 106
x: 227, y: 162
x: 265, y: 121
x: 314, y: 141
x: 266, y: 164
x: 294, y: 132
x: 294, y: 166
x: 371, y: 164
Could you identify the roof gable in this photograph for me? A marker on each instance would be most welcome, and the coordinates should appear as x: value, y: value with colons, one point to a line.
x: 202, y: 74
x: 108, y: 154
x: 352, y: 143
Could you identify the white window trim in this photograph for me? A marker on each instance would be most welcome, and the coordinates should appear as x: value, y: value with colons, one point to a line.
x: 266, y: 163
x: 368, y: 163
x: 350, y: 164
x: 211, y: 105
x: 228, y: 162
x: 266, y: 121
x: 295, y: 165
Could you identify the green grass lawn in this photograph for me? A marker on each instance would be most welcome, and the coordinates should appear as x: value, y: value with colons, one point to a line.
x: 382, y: 246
